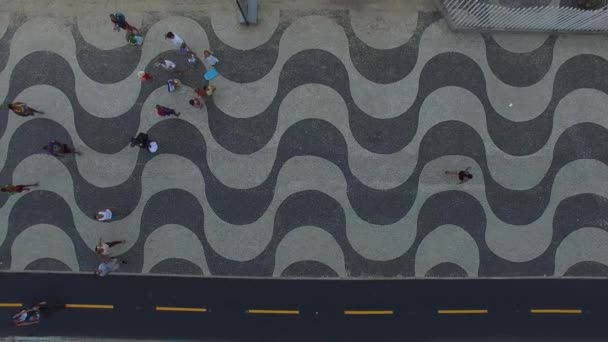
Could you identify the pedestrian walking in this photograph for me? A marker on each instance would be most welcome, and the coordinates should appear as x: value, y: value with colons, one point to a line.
x: 178, y: 42
x: 22, y: 109
x: 463, y: 175
x: 134, y: 39
x: 108, y: 266
x: 191, y: 58
x: 59, y: 149
x: 143, y: 141
x: 166, y: 111
x: 165, y: 64
x: 104, y: 215
x: 144, y: 76
x: 205, y: 91
x: 196, y: 103
x: 15, y: 189
x: 119, y: 21
x: 210, y: 58
x: 173, y: 84
x: 103, y: 248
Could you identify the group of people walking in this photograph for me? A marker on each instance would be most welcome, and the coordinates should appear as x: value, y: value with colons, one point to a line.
x: 143, y: 140
x: 60, y: 149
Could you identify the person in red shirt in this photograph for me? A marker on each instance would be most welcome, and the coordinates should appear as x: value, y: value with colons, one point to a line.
x: 15, y: 189
x: 144, y: 76
x: 205, y: 91
x: 165, y: 111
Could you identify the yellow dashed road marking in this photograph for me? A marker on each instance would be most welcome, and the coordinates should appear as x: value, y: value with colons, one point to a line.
x: 89, y: 306
x: 557, y: 311
x: 368, y: 312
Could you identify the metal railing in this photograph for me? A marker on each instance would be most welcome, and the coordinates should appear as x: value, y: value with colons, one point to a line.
x: 480, y: 15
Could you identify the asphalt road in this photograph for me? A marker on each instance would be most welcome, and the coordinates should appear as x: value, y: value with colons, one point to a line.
x: 229, y: 308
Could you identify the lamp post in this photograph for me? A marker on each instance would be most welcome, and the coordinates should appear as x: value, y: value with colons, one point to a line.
x: 242, y: 13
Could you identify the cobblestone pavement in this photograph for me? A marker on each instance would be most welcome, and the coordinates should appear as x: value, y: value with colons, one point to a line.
x: 323, y: 152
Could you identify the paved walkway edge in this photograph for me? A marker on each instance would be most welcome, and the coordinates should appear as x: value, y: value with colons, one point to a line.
x: 170, y: 275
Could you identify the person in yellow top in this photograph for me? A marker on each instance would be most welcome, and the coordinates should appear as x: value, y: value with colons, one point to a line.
x: 22, y: 109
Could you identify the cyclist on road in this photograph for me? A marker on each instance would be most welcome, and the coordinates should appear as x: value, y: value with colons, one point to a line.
x: 27, y: 317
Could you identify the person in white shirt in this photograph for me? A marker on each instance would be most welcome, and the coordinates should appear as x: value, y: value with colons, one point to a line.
x: 153, y: 146
x: 210, y: 58
x: 166, y: 64
x: 176, y: 40
x: 191, y: 58
x: 104, y: 215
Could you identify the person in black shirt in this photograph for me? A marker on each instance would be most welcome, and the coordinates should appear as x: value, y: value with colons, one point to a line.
x: 142, y: 140
x: 463, y: 175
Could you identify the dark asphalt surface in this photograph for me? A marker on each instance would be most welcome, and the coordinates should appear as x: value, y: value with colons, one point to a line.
x: 321, y: 305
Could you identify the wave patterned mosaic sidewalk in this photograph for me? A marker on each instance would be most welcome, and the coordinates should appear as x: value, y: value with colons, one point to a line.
x: 323, y: 152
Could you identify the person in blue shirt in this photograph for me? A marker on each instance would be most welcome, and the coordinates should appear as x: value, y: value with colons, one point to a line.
x: 108, y: 266
x: 120, y: 22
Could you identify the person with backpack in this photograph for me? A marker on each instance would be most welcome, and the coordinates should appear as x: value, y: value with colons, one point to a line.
x: 119, y: 21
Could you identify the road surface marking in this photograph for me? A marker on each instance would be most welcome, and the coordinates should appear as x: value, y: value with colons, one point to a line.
x: 557, y: 311
x: 368, y: 312
x: 273, y: 312
x: 11, y: 305
x: 180, y: 309
x: 463, y: 312
x: 89, y: 306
